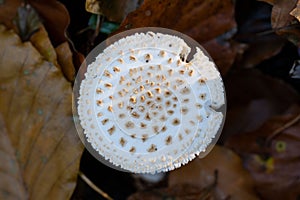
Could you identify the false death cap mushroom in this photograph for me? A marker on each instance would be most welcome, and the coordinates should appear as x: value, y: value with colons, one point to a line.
x: 144, y: 107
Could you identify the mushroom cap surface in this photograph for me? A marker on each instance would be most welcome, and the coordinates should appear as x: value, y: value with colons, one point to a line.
x: 145, y: 108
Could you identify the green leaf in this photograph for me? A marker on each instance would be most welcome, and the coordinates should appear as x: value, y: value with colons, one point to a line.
x: 109, y: 27
x: 93, y: 21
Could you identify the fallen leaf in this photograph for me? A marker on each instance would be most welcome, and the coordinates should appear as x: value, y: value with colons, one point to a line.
x: 283, y: 22
x: 255, y: 31
x: 27, y: 21
x: 65, y: 59
x: 61, y: 56
x: 55, y: 18
x: 9, y: 169
x: 8, y: 12
x: 113, y: 10
x: 271, y: 155
x: 211, y: 23
x: 54, y: 15
x: 40, y: 137
x: 252, y: 99
x: 220, y: 175
x: 42, y: 43
x: 296, y: 11
x: 233, y: 181
x: 178, y: 192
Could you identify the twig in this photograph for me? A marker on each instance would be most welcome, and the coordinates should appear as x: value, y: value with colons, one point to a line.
x: 282, y: 128
x: 267, y: 32
x: 93, y: 186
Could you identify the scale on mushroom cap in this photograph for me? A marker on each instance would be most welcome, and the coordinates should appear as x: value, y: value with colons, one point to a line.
x: 148, y: 100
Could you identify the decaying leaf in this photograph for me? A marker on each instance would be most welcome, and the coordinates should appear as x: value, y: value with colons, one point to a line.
x: 233, y: 182
x: 211, y: 23
x: 53, y: 14
x: 55, y: 18
x: 253, y: 98
x: 178, y: 192
x: 27, y: 21
x: 255, y: 31
x: 9, y: 169
x: 283, y: 22
x: 61, y: 56
x: 42, y: 43
x: 296, y: 11
x: 65, y: 59
x: 271, y: 155
x: 114, y: 10
x: 8, y: 12
x: 41, y: 143
x: 220, y: 175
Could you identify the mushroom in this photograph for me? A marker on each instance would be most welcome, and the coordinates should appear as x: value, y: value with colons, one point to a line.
x: 145, y: 108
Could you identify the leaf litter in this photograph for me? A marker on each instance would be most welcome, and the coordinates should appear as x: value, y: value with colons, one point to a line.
x: 231, y: 44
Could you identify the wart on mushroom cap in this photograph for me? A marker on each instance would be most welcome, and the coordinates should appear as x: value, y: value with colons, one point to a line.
x: 145, y: 108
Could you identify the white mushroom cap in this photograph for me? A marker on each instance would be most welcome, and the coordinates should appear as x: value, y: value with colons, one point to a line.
x: 145, y: 109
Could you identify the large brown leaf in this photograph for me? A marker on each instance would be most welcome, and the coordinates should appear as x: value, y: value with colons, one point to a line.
x: 252, y: 99
x: 210, y: 22
x: 41, y: 154
x: 271, y: 154
x: 218, y: 176
x: 233, y: 181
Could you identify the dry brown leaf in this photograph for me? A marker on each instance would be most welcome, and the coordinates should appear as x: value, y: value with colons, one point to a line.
x: 61, y: 56
x: 9, y: 169
x: 271, y: 154
x: 220, y: 175
x: 113, y: 10
x: 233, y: 182
x: 209, y: 22
x: 8, y: 12
x: 296, y: 11
x: 42, y: 143
x: 56, y: 19
x: 42, y: 43
x: 255, y: 31
x: 283, y: 22
x: 178, y: 192
x: 54, y: 15
x: 253, y: 98
x: 65, y: 59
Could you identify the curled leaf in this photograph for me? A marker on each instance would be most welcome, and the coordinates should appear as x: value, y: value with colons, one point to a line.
x: 113, y: 10
x: 42, y: 43
x: 255, y: 31
x: 283, y: 22
x: 65, y: 59
x: 296, y: 11
x: 55, y: 19
x: 27, y: 21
